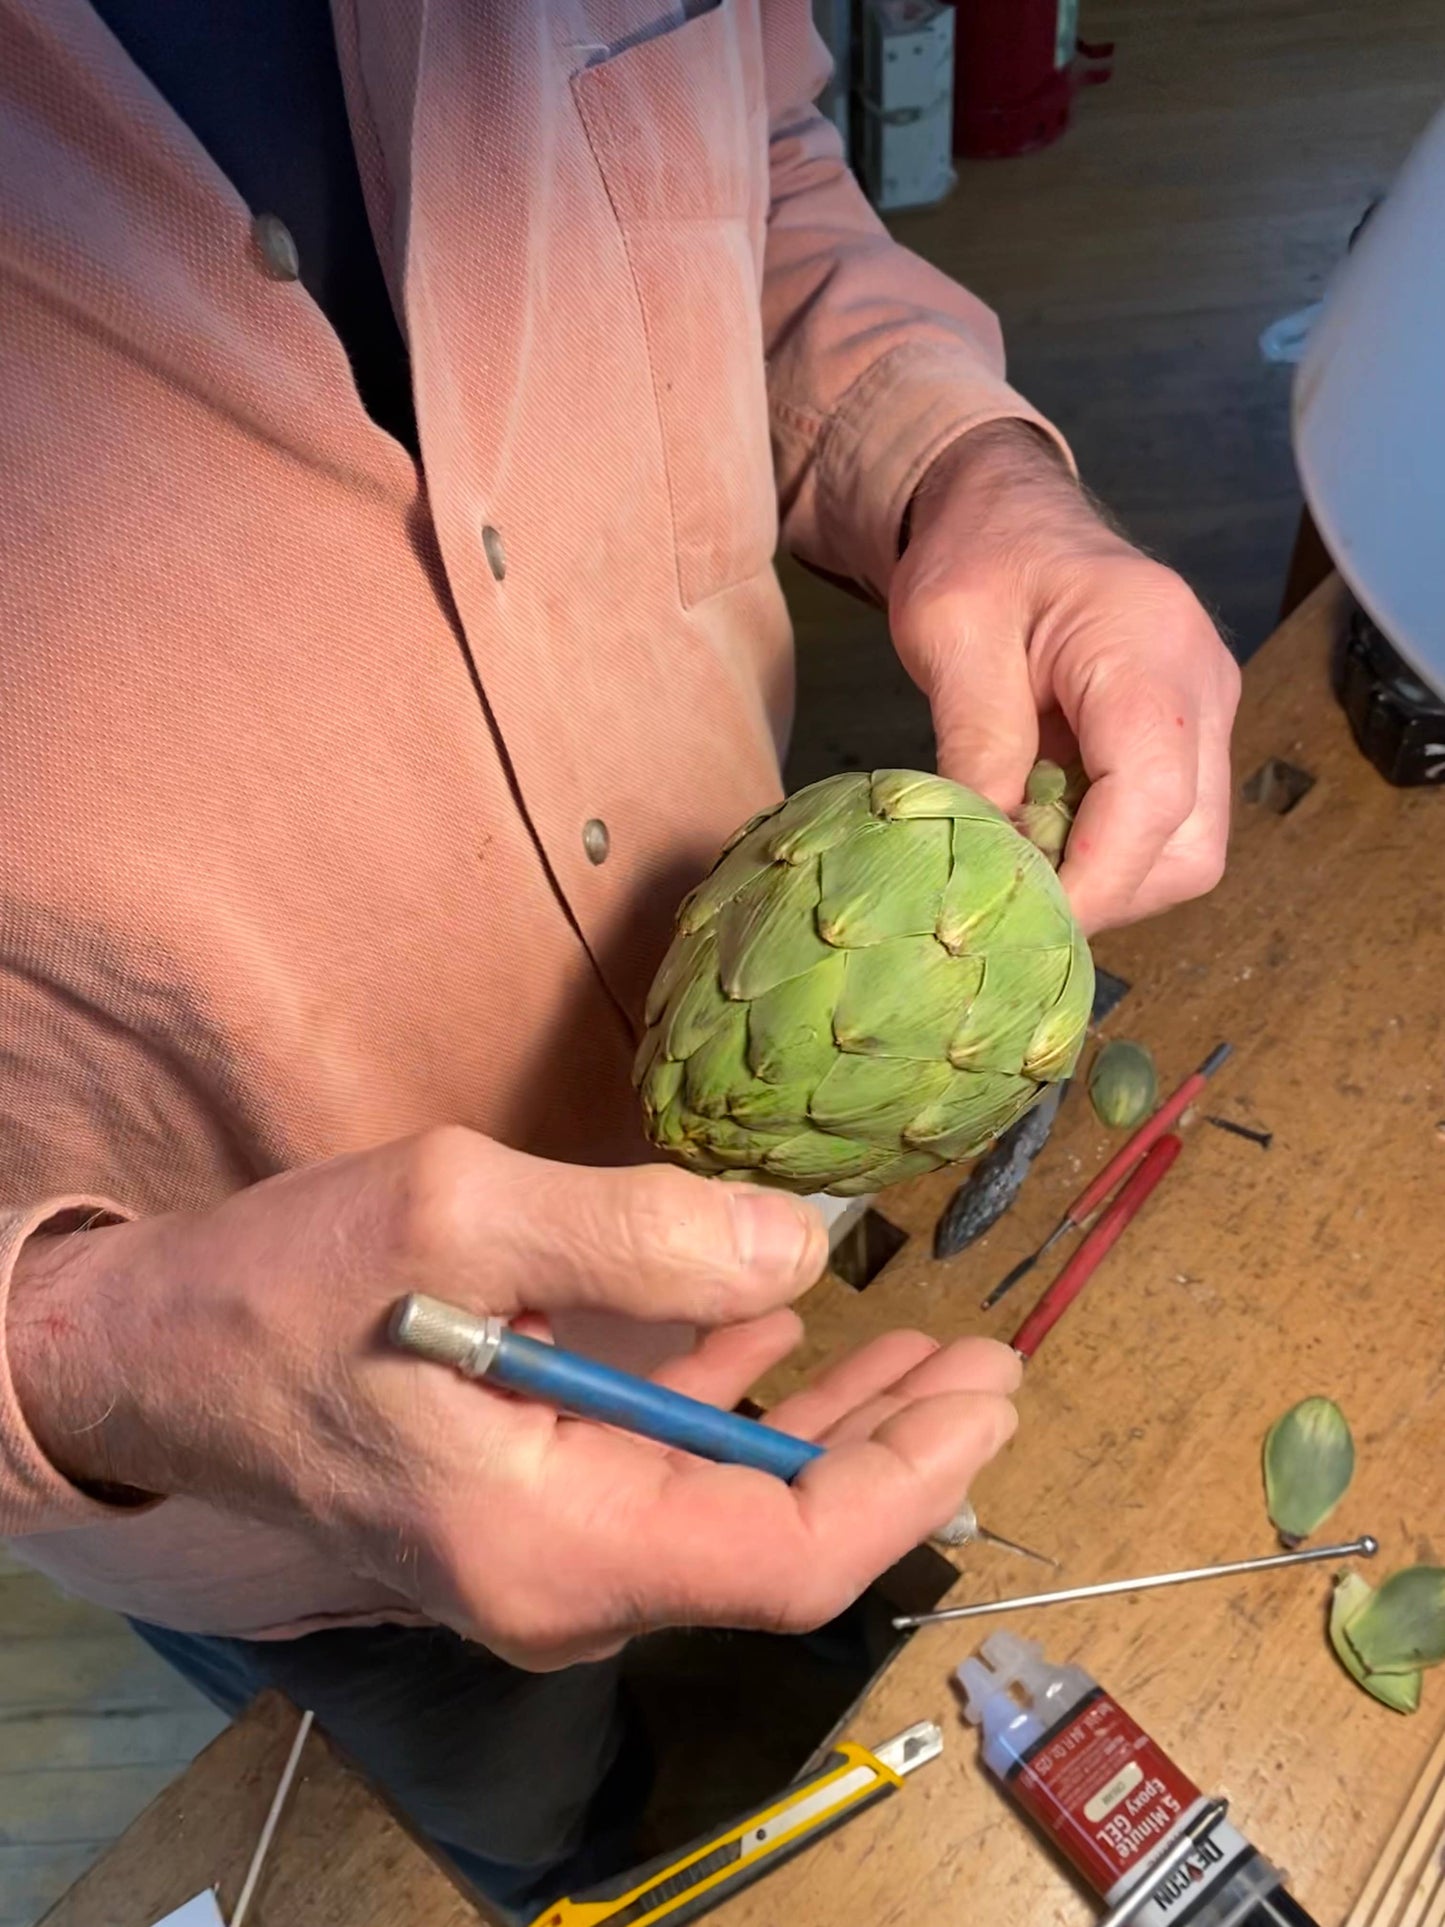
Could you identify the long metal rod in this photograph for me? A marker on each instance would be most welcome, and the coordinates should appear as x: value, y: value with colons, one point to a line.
x: 1364, y: 1548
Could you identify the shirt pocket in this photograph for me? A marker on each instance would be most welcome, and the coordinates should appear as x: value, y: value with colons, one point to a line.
x: 677, y: 123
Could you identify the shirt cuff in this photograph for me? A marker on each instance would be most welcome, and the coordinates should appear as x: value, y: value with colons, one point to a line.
x: 34, y: 1496
x: 886, y: 434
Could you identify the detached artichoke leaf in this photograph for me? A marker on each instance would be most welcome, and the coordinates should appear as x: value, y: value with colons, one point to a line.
x: 1309, y: 1460
x: 1123, y: 1084
x: 1402, y: 1628
x: 1353, y: 1596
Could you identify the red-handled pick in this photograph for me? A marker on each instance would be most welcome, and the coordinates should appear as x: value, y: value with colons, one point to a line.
x: 1094, y: 1194
x: 1095, y: 1247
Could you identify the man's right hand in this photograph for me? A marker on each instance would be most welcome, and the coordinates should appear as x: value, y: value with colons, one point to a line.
x: 240, y: 1357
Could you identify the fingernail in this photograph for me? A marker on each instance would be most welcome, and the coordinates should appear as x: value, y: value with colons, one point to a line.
x: 775, y: 1233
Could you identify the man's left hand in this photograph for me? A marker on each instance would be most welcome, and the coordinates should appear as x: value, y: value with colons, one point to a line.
x: 1034, y: 629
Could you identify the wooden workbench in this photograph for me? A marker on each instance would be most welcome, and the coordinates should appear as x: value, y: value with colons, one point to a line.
x: 1254, y: 1278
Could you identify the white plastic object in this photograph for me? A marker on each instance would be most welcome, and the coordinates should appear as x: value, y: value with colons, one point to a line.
x: 1285, y: 340
x: 904, y: 93
x: 907, y: 162
x: 907, y: 55
x: 1014, y: 1695
x: 1369, y: 413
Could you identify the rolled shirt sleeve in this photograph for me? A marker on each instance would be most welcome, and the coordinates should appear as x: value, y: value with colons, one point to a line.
x: 877, y: 361
x: 34, y: 1496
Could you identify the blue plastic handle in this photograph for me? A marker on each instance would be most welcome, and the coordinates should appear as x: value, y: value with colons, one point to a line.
x: 582, y: 1386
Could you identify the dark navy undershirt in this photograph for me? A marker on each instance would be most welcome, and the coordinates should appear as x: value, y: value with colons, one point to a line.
x: 259, y: 85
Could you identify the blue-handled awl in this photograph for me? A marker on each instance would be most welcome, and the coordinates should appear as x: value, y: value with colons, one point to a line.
x: 488, y: 1349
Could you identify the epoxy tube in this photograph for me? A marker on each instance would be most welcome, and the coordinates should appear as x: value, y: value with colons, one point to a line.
x: 1108, y: 1797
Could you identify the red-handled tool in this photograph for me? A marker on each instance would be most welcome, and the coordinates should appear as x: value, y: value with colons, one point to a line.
x: 1094, y: 1193
x: 1099, y: 1242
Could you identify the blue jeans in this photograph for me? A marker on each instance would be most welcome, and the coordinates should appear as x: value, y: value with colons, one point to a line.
x: 530, y: 1783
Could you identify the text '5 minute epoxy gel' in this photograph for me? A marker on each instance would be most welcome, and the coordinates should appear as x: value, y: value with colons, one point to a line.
x: 1108, y: 1797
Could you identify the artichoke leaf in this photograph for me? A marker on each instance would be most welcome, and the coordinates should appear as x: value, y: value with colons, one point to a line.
x: 999, y: 1024
x: 1309, y: 1460
x: 1123, y: 1084
x: 904, y: 998
x: 887, y: 881
x: 875, y: 1099
x: 790, y: 1027
x: 743, y: 863
x: 913, y: 795
x: 717, y: 1071
x: 769, y: 932
x: 1054, y: 1048
x: 1399, y: 1691
x: 814, y: 1159
x: 697, y: 1006
x: 1402, y: 1628
x: 970, y: 1112
x: 985, y: 873
x: 818, y: 817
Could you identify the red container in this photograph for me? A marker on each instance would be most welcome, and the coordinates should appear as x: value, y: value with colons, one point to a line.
x: 1017, y: 67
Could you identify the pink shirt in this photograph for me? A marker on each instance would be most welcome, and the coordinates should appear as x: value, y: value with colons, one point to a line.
x: 301, y: 745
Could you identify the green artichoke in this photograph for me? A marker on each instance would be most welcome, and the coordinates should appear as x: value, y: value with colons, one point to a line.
x: 876, y: 978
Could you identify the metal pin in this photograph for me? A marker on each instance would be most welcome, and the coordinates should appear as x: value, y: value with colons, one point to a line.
x: 1363, y: 1548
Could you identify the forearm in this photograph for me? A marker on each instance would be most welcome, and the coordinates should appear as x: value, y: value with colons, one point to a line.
x: 877, y: 361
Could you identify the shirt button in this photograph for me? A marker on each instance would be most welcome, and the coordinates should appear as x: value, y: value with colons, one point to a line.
x: 277, y: 246
x: 496, y: 554
x: 595, y: 840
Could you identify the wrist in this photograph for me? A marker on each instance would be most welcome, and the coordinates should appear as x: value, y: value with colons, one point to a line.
x: 65, y: 1370
x: 1006, y: 487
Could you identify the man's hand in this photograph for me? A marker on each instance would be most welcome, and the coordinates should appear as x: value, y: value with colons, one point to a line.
x: 239, y: 1357
x: 1034, y: 629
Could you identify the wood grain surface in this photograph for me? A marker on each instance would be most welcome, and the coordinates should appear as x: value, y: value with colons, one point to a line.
x: 1252, y: 1279
x: 339, y: 1857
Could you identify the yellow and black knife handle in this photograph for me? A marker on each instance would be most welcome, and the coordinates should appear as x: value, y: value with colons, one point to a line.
x: 684, y: 1885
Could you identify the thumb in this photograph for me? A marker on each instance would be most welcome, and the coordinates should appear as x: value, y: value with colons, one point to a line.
x: 649, y: 1242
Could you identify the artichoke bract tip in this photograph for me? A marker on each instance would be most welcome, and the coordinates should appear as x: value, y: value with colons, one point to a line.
x: 876, y: 978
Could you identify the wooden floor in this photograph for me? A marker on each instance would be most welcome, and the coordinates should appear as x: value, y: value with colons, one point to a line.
x: 1209, y: 188
x: 92, y: 1725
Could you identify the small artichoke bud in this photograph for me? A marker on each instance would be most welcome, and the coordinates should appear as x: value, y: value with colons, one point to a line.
x: 1123, y: 1084
x: 1309, y: 1460
x: 1047, y: 812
